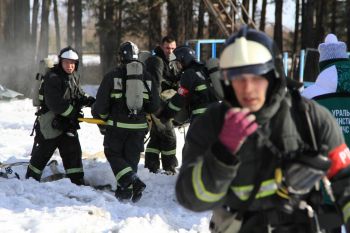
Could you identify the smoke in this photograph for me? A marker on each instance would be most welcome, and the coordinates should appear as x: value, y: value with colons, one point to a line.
x: 18, y: 67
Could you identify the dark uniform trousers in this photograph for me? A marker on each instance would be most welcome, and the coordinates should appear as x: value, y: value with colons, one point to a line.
x: 122, y: 148
x: 70, y: 152
x: 161, y: 142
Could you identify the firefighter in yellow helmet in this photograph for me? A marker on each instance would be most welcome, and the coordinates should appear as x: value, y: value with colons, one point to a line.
x: 256, y: 159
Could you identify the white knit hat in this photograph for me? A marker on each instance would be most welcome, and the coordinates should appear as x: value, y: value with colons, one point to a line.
x: 332, y: 48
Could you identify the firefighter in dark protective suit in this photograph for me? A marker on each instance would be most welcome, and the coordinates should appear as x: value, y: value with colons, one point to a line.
x: 162, y: 134
x: 124, y: 97
x: 57, y: 122
x: 195, y: 92
x: 262, y: 159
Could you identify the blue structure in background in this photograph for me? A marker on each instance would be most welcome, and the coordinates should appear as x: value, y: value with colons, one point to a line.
x: 198, y: 44
x: 215, y: 42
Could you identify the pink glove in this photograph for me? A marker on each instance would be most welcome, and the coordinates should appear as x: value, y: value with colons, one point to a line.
x: 238, y: 125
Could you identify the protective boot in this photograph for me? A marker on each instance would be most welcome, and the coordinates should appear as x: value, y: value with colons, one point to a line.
x: 77, y: 181
x: 75, y: 178
x: 31, y: 174
x: 123, y: 194
x: 169, y: 164
x: 137, y: 188
x: 152, y: 162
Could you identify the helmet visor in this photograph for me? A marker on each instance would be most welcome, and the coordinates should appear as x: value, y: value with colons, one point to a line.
x: 257, y: 69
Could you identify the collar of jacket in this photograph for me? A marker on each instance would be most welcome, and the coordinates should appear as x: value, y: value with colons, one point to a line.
x: 158, y: 51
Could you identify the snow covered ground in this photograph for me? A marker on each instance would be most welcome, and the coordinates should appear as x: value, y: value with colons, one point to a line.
x: 60, y: 206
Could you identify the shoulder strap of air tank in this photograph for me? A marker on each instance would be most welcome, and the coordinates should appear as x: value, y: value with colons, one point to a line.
x: 302, y: 116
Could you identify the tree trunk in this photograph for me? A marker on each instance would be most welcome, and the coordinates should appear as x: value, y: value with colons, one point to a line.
x: 200, y: 24
x: 57, y: 26
x: 100, y: 32
x: 321, y: 8
x: 118, y: 32
x: 109, y: 31
x: 213, y: 28
x: 17, y: 24
x: 245, y: 17
x: 188, y: 18
x: 44, y: 31
x: 70, y: 16
x: 278, y: 33
x: 78, y: 30
x: 296, y: 26
x: 34, y: 24
x: 181, y: 20
x: 15, y: 45
x: 154, y: 23
x: 172, y: 9
x: 255, y: 2
x: 9, y: 32
x: 333, y: 17
x: 3, y: 6
x: 263, y: 15
x: 307, y: 24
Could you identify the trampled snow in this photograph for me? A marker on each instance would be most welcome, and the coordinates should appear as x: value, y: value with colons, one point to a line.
x: 60, y: 206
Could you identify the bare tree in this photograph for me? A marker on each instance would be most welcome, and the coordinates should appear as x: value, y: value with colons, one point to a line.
x: 70, y: 16
x: 321, y: 8
x: 263, y: 15
x: 180, y: 19
x: 109, y: 30
x: 17, y: 57
x: 278, y: 33
x: 255, y: 2
x: 200, y: 24
x: 296, y: 25
x: 57, y: 26
x: 245, y: 4
x: 78, y: 29
x: 173, y: 7
x: 214, y: 31
x: 44, y: 31
x: 154, y: 22
x: 334, y: 15
x: 188, y: 19
x: 17, y: 24
x: 307, y: 24
x: 34, y: 23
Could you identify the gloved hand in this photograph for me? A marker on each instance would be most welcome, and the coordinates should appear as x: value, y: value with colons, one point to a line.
x: 238, y: 125
x: 88, y: 101
x: 307, y: 169
x: 73, y: 118
x: 75, y: 114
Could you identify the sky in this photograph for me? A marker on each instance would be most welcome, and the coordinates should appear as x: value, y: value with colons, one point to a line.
x: 60, y: 206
